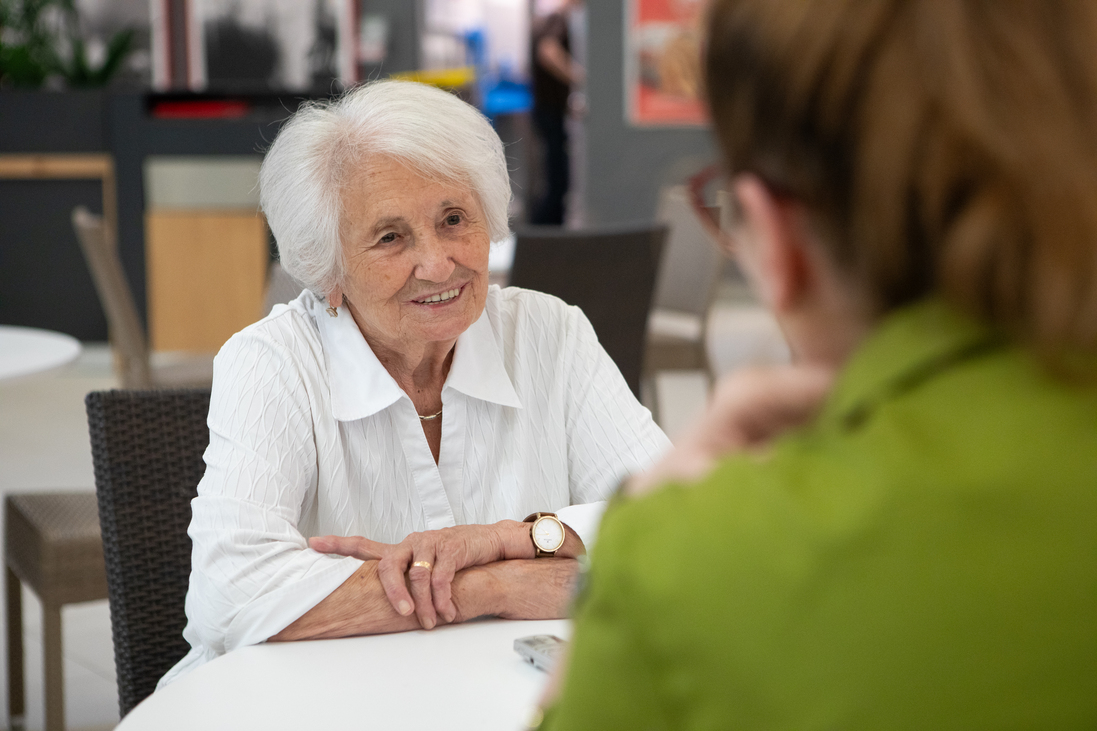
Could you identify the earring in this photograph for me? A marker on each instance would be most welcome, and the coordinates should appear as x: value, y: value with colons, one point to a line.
x: 331, y: 308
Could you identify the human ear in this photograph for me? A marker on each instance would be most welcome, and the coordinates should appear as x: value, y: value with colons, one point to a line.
x: 771, y: 244
x: 335, y: 297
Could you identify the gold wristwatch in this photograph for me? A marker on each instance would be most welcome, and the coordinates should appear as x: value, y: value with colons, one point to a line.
x: 547, y: 534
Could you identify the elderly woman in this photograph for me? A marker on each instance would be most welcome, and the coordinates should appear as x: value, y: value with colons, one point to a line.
x: 376, y: 444
x: 913, y: 545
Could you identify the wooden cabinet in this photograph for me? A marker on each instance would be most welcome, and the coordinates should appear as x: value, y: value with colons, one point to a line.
x: 206, y: 274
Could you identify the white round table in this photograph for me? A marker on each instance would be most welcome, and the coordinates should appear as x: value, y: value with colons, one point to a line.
x: 458, y: 677
x: 27, y: 350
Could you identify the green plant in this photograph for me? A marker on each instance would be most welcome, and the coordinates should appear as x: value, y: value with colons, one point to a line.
x: 40, y: 39
x: 26, y: 48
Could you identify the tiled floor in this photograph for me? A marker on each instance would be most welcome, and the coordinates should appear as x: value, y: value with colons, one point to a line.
x: 44, y: 446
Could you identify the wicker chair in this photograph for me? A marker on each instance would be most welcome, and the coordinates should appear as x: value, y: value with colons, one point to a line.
x: 609, y: 273
x: 126, y: 332
x: 147, y: 450
x: 51, y: 544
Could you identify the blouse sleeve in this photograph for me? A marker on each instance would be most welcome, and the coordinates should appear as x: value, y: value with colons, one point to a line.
x: 252, y: 573
x: 584, y: 520
x: 610, y: 434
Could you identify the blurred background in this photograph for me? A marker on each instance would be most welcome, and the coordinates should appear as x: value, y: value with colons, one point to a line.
x: 153, y: 115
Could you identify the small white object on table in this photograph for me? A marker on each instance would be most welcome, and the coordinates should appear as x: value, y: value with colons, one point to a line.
x: 26, y: 350
x: 464, y: 676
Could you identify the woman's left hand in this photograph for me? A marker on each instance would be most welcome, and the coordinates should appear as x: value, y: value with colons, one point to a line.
x: 430, y: 560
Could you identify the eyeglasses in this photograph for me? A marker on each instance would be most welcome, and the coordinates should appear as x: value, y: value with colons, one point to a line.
x: 730, y: 221
x: 720, y: 220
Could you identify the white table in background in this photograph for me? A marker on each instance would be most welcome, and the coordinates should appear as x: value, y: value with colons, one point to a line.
x: 27, y: 350
x: 456, y: 677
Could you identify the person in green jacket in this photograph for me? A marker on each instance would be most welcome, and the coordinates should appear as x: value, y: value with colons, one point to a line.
x: 898, y: 531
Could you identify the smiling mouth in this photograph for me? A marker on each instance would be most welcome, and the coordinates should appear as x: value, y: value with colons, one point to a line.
x: 440, y: 298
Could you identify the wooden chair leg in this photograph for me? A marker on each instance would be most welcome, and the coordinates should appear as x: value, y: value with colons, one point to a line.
x: 14, y: 615
x: 54, y: 668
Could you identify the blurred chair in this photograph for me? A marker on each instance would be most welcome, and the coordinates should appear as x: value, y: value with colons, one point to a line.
x: 147, y: 450
x: 51, y: 544
x: 609, y: 273
x: 745, y: 332
x: 281, y: 288
x: 689, y: 273
x: 126, y: 332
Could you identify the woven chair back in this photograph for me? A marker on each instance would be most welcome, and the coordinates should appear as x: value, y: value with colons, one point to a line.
x: 147, y: 450
x: 609, y: 273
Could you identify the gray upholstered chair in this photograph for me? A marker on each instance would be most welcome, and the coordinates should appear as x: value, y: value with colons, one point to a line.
x: 684, y: 289
x: 608, y: 272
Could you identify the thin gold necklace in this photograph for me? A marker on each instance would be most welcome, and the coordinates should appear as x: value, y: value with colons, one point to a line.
x: 428, y: 418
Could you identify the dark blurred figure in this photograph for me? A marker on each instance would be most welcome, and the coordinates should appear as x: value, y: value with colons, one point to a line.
x: 239, y: 57
x: 322, y: 55
x: 554, y: 72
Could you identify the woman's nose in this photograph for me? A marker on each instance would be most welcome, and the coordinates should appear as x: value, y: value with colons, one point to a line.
x: 435, y: 261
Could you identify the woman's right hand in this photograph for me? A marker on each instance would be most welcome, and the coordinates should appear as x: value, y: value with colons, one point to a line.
x: 411, y: 586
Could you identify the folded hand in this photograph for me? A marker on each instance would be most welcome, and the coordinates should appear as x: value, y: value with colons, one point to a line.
x: 429, y: 561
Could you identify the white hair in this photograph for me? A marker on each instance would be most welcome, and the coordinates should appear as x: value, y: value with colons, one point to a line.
x: 321, y: 146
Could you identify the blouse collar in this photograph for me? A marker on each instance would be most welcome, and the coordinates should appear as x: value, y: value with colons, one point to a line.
x: 361, y: 387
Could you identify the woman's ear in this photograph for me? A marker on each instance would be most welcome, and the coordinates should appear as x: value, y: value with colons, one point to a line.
x: 772, y: 244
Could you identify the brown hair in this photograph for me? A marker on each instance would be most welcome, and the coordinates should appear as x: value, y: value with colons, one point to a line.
x: 942, y: 145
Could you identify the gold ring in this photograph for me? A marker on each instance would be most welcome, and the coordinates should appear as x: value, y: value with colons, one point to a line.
x: 423, y: 565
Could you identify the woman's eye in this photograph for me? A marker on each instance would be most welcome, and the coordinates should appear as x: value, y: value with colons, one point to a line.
x: 387, y: 238
x: 453, y: 219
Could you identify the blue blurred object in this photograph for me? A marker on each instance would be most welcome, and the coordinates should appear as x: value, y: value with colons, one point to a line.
x: 498, y: 91
x: 476, y: 47
x: 507, y: 97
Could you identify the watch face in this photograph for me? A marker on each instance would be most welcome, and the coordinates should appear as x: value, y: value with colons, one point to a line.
x: 548, y: 534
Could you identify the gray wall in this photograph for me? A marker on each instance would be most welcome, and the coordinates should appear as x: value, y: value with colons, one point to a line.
x: 626, y: 165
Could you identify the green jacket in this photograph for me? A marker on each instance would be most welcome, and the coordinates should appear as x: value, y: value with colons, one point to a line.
x: 923, y: 557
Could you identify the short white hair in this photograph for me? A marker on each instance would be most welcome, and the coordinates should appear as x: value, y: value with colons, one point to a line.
x: 318, y: 150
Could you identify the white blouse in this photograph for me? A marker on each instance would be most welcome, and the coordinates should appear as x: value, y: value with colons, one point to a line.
x: 310, y: 435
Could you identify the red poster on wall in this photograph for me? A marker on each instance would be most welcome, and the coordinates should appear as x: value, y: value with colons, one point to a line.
x: 663, y: 63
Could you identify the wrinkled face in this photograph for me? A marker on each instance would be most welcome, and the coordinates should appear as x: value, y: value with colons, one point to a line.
x: 417, y: 256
